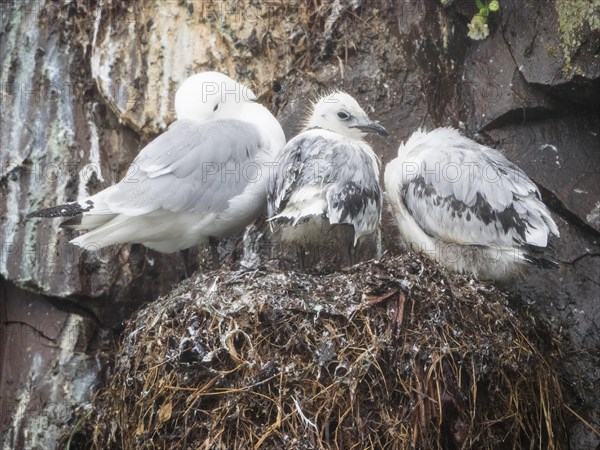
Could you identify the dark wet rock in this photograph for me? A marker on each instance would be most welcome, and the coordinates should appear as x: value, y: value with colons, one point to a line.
x: 561, y: 155
x: 51, y: 361
x: 556, y: 46
x: 495, y: 91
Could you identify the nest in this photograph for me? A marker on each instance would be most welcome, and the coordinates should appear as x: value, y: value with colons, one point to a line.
x: 387, y: 354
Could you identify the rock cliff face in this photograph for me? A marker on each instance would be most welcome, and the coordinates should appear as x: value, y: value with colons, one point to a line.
x: 84, y: 85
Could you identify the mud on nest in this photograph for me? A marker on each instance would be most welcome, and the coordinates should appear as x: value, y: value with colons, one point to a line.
x: 388, y: 354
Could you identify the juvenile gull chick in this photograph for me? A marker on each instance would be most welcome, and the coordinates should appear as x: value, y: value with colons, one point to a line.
x: 205, y: 177
x: 325, y: 192
x: 467, y: 206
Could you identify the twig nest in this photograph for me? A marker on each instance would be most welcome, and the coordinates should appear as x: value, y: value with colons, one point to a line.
x: 277, y: 360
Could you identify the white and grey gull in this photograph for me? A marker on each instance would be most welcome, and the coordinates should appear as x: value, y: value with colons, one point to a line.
x: 325, y: 192
x: 467, y: 206
x: 205, y: 177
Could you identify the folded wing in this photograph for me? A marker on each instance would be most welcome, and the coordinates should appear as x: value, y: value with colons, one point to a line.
x: 459, y: 191
x: 318, y: 174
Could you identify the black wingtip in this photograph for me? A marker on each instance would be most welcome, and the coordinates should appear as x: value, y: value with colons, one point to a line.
x: 543, y: 262
x: 287, y: 220
x: 66, y: 210
x: 281, y: 220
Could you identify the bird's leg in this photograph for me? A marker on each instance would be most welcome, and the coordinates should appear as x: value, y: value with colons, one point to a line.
x: 185, y: 255
x: 301, y: 256
x: 352, y: 253
x: 214, y: 250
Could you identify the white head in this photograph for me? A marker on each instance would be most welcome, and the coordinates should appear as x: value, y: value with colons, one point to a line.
x: 339, y: 112
x: 211, y: 95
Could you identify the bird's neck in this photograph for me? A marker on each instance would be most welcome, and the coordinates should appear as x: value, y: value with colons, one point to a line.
x: 343, y: 134
x: 258, y: 115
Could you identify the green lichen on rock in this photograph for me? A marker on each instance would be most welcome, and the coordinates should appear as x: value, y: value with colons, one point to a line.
x: 552, y: 52
x: 574, y: 18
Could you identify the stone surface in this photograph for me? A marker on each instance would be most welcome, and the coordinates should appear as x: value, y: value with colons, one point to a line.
x: 84, y: 85
x: 51, y: 362
x: 556, y: 46
x: 562, y: 155
x: 58, y: 143
x: 495, y: 91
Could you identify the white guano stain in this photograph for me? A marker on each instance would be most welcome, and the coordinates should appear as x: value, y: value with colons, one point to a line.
x: 593, y: 218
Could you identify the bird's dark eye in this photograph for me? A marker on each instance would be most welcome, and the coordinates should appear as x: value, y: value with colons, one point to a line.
x: 343, y: 115
x: 216, y: 107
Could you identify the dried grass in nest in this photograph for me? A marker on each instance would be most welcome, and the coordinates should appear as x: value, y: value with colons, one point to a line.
x: 290, y: 360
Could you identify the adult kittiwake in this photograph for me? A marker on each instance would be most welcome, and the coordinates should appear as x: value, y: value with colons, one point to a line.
x: 325, y: 190
x: 467, y: 206
x: 205, y: 177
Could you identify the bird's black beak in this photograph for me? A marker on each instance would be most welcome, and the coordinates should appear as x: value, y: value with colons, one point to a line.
x: 372, y: 127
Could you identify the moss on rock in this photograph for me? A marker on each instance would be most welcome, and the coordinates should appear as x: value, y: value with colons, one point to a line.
x: 575, y: 17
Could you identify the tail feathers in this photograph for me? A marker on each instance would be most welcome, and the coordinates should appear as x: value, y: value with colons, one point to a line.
x: 117, y: 231
x: 287, y: 219
x: 541, y: 261
x: 297, y: 214
x: 66, y: 210
x: 87, y: 221
x: 169, y: 235
x: 541, y: 256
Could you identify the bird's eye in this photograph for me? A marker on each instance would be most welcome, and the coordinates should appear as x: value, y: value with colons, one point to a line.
x: 343, y: 115
x: 216, y: 107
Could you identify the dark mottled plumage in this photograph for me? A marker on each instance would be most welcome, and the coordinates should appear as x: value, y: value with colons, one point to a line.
x: 318, y: 174
x: 468, y: 206
x: 325, y: 192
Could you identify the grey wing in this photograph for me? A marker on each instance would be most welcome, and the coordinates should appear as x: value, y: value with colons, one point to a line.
x: 471, y: 194
x: 303, y: 170
x: 192, y: 167
x: 355, y: 195
x: 286, y: 174
x: 344, y: 175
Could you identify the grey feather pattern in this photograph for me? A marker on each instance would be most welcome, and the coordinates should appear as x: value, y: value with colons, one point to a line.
x: 216, y: 159
x: 468, y: 193
x: 337, y: 175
